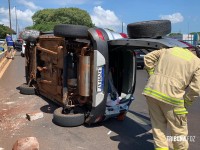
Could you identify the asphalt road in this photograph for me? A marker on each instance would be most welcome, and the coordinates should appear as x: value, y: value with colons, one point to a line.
x: 130, y: 134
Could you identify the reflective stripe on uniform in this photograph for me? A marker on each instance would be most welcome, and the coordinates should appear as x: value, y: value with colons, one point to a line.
x: 150, y: 71
x: 164, y: 97
x: 188, y: 102
x: 180, y: 111
x: 182, y: 53
x: 162, y: 148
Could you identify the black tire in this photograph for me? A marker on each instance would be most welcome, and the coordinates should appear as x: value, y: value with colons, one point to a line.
x: 25, y: 89
x: 32, y: 39
x: 71, y: 31
x: 67, y: 120
x: 149, y: 29
x: 30, y: 35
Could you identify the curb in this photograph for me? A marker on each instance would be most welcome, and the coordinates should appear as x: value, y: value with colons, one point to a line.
x: 4, y: 63
x: 2, y: 55
x: 2, y: 60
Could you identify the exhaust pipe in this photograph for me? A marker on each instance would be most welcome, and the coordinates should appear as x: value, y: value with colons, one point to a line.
x: 84, y: 76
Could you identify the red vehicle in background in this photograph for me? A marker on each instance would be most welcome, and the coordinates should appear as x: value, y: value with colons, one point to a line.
x: 192, y: 48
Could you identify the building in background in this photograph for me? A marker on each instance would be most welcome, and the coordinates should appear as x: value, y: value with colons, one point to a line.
x: 190, y: 38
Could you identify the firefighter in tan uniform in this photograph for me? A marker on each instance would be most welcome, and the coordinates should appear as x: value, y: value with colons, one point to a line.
x: 171, y: 71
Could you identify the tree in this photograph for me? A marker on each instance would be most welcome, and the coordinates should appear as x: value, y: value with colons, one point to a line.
x: 175, y: 34
x: 46, y: 19
x: 4, y: 30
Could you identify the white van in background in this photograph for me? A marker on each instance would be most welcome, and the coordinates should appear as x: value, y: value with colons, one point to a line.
x: 23, y: 48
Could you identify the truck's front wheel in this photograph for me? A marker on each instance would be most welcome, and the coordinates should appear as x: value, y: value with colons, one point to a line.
x: 26, y: 89
x: 67, y: 120
x: 71, y: 31
x: 149, y: 29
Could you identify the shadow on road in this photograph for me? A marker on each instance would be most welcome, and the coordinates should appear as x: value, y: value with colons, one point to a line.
x: 130, y: 135
x: 18, y: 88
x: 50, y: 107
x: 139, y: 115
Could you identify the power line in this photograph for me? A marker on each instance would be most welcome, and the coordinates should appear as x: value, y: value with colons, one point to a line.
x: 16, y: 22
x: 122, y: 27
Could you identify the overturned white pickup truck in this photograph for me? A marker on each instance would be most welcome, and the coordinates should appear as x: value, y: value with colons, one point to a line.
x: 90, y: 72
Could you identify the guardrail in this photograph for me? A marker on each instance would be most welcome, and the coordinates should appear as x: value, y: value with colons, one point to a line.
x: 3, y: 62
x: 2, y: 55
x: 2, y: 52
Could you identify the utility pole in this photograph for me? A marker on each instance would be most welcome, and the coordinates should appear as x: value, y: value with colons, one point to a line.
x: 16, y: 22
x: 188, y: 33
x: 122, y: 27
x: 9, y: 14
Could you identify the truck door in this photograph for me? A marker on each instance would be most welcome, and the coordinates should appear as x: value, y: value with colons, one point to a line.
x: 123, y: 69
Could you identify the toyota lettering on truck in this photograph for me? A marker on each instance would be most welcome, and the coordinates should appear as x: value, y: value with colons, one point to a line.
x: 100, y: 80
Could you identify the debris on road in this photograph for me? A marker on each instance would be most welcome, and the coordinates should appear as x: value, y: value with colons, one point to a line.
x: 11, y: 119
x: 8, y: 103
x: 27, y: 143
x: 34, y: 116
x: 13, y: 113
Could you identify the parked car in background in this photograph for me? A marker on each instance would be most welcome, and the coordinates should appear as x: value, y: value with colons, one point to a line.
x: 18, y: 44
x: 140, y: 57
x: 23, y: 48
x: 193, y: 49
x: 190, y: 46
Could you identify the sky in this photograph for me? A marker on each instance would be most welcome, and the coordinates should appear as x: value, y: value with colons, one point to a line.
x: 183, y: 14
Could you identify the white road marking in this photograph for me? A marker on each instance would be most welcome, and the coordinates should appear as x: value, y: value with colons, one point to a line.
x: 8, y: 103
x: 142, y: 134
x: 81, y: 147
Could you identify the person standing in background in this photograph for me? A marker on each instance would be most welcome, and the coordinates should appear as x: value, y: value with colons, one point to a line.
x: 10, y: 47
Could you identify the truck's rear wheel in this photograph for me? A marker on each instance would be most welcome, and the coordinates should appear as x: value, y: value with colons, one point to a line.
x: 67, y: 120
x: 149, y: 29
x: 71, y: 31
x: 26, y: 89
